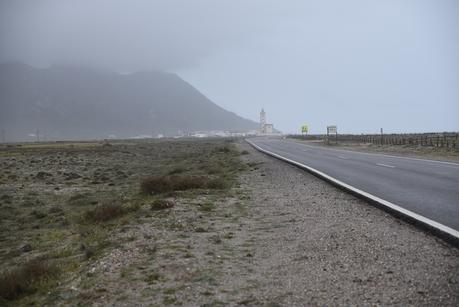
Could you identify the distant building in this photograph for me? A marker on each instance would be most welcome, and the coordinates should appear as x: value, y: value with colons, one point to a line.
x: 268, y: 128
x: 265, y: 128
x: 262, y: 121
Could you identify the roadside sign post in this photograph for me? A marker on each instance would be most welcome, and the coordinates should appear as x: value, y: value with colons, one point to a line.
x: 304, y: 129
x: 330, y: 131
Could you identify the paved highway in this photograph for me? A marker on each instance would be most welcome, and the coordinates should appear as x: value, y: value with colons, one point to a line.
x: 427, y: 188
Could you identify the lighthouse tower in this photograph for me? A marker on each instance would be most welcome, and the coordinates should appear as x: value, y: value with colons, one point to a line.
x: 262, y: 122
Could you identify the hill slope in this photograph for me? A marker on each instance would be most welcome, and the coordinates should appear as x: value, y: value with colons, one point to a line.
x: 69, y: 102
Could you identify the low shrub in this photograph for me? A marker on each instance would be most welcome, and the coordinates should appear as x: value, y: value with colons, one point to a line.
x: 105, y: 212
x: 164, y: 184
x: 18, y: 281
x: 223, y: 149
x: 161, y: 204
x: 38, y: 214
x: 206, y: 207
x: 217, y: 183
x: 213, y: 169
x: 82, y: 200
x: 177, y: 170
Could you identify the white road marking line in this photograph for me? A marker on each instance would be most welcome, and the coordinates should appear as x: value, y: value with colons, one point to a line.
x: 431, y: 223
x: 385, y: 165
x: 343, y: 157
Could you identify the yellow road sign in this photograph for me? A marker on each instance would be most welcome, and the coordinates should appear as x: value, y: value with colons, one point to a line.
x: 304, y: 129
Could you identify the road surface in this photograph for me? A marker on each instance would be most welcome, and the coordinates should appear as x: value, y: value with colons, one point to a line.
x: 427, y: 188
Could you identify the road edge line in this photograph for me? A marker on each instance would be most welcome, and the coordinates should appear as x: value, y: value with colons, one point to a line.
x: 444, y: 232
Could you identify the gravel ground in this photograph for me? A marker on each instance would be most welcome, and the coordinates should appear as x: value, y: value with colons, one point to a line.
x: 316, y: 245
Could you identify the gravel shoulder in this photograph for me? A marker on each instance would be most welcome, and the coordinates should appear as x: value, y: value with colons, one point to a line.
x: 316, y: 245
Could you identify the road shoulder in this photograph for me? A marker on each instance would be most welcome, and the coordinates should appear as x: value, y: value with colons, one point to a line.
x: 317, y: 245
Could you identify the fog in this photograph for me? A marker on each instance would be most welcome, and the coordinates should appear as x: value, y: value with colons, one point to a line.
x: 361, y: 65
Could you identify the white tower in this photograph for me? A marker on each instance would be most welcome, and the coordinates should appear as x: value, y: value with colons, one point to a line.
x: 262, y: 121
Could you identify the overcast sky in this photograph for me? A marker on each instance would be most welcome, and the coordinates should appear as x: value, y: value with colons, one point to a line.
x: 359, y: 64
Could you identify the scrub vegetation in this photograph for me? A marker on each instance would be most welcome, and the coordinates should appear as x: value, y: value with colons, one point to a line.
x: 70, y: 211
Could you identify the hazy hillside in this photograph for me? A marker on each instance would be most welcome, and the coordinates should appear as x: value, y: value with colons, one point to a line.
x: 69, y: 102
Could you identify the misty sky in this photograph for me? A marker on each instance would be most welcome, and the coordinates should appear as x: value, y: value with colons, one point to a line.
x: 360, y: 65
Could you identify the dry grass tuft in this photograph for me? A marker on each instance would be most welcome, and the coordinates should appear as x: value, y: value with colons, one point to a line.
x: 18, y: 281
x: 105, y: 212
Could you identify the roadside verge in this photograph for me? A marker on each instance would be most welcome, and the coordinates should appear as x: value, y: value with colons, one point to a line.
x: 444, y: 232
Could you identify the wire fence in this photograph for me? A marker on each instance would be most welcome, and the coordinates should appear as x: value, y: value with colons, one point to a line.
x: 447, y: 140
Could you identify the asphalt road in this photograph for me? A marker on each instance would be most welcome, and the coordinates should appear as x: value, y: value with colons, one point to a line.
x: 428, y: 188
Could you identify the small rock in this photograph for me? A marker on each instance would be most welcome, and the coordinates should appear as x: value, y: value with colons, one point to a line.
x: 26, y: 248
x: 70, y: 176
x: 43, y: 175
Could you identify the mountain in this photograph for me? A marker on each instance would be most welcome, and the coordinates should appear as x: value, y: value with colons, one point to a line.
x: 81, y: 103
